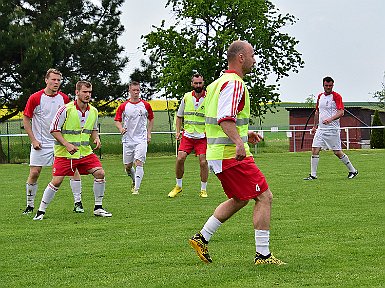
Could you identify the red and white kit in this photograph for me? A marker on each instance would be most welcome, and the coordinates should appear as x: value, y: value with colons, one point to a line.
x: 41, y: 108
x: 134, y: 118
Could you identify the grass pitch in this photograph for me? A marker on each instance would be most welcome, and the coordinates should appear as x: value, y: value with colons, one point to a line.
x: 329, y: 231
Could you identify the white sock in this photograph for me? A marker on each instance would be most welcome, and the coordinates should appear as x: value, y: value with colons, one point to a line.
x: 179, y: 182
x: 76, y: 186
x: 138, y: 176
x: 314, y: 165
x: 31, y: 190
x: 346, y: 161
x: 203, y: 185
x: 48, y: 195
x: 262, y: 239
x: 99, y: 187
x: 210, y: 227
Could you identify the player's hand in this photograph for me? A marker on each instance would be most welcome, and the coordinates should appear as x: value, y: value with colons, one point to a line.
x: 124, y: 130
x: 72, y: 149
x: 148, y: 139
x: 254, y: 137
x: 178, y: 135
x: 240, y: 153
x: 36, y: 145
x: 97, y: 143
x: 313, y: 130
x: 327, y: 121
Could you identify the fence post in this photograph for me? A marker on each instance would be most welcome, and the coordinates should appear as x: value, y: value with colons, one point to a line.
x: 347, y: 138
x: 100, y: 149
x: 294, y: 140
x: 8, y: 138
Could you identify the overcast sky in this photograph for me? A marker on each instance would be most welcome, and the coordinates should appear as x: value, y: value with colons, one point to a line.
x: 339, y: 38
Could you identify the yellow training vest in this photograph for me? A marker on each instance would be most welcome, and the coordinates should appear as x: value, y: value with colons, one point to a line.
x: 74, y: 134
x: 194, y: 120
x: 219, y: 145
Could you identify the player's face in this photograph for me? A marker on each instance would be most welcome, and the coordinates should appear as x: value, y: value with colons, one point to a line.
x: 248, y: 58
x: 197, y: 83
x: 328, y: 87
x: 134, y: 91
x: 53, y: 82
x: 84, y: 94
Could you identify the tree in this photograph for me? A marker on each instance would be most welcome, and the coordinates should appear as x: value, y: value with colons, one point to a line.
x: 380, y: 95
x: 74, y: 36
x: 377, y: 136
x: 203, y: 31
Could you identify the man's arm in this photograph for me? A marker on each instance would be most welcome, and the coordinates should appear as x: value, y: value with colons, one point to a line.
x: 178, y: 127
x: 336, y: 116
x: 28, y: 128
x: 119, y: 125
x: 316, y: 120
x: 231, y: 131
x: 149, y: 129
x: 59, y: 137
x: 96, y: 139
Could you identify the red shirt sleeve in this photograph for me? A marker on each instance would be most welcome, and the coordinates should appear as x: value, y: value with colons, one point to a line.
x: 32, y: 103
x: 149, y: 110
x: 317, y: 104
x: 65, y: 97
x: 338, y: 99
x: 119, y: 112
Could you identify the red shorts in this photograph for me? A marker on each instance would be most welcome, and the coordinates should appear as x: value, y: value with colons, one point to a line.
x: 188, y: 144
x: 243, y: 181
x: 66, y: 167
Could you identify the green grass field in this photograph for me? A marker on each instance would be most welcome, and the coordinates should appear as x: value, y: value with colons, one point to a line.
x: 330, y: 231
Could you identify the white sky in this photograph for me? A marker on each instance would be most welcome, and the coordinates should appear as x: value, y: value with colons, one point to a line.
x: 339, y: 38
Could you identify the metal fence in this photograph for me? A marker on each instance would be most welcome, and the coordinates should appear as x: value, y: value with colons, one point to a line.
x: 15, y: 147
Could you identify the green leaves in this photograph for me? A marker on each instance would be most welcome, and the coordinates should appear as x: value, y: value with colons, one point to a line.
x: 202, y: 34
x: 74, y: 36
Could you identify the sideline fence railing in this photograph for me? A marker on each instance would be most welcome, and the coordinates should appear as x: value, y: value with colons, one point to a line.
x: 15, y: 147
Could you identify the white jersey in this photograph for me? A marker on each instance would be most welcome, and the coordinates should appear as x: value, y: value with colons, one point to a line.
x: 133, y: 117
x: 328, y: 106
x: 41, y: 108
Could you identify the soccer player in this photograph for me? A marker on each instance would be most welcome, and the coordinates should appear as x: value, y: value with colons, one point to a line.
x: 193, y: 137
x: 135, y: 119
x: 74, y: 126
x: 40, y: 109
x: 329, y: 110
x: 227, y: 112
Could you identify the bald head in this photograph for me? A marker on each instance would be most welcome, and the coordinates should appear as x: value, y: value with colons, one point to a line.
x: 236, y: 48
x: 240, y: 57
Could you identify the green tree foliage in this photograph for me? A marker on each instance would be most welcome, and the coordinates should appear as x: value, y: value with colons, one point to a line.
x: 377, y: 136
x: 74, y: 36
x: 380, y: 95
x: 203, y: 31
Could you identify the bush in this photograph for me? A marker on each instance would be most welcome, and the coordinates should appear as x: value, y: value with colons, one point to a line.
x: 377, y: 136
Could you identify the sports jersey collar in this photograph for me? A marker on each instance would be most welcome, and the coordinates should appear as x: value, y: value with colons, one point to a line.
x: 77, y: 107
x: 232, y: 71
x: 202, y: 95
x: 53, y: 95
x: 129, y: 100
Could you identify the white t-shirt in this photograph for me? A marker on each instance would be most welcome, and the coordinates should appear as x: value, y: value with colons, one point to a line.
x: 133, y: 117
x: 327, y: 106
x: 41, y: 108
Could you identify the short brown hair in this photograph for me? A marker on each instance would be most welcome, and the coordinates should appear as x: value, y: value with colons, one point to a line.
x: 196, y: 75
x: 53, y: 71
x: 133, y: 83
x: 236, y: 48
x: 81, y: 83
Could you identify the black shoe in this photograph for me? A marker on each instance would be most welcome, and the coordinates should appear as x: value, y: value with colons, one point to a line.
x: 28, y: 210
x: 351, y: 175
x: 310, y: 177
x: 78, y: 207
x: 39, y: 215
